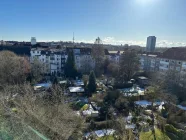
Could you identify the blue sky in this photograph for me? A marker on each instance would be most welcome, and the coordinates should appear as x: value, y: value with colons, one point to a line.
x: 115, y: 21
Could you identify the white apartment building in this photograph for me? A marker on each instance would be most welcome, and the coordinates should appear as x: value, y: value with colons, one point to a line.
x: 53, y: 60
x: 171, y: 59
x: 149, y: 62
x: 114, y: 56
x: 82, y: 56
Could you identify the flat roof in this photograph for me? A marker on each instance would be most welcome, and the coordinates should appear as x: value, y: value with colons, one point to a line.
x: 76, y: 89
x: 143, y: 78
x: 79, y: 83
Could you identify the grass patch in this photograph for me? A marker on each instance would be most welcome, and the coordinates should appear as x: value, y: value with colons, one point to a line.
x: 149, y: 136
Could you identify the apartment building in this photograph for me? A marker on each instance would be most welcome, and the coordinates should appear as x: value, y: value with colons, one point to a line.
x: 82, y: 56
x: 172, y: 59
x: 113, y: 56
x: 149, y: 62
x: 53, y: 60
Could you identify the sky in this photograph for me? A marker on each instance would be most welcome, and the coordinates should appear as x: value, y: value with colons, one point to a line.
x: 114, y: 21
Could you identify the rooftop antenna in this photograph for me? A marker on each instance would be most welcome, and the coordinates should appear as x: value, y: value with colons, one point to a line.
x: 73, y: 38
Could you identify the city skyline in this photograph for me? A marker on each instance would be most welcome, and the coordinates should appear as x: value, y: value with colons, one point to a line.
x: 122, y: 22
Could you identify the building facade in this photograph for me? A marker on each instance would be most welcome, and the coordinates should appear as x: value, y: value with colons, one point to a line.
x: 151, y: 44
x: 171, y: 59
x: 83, y: 57
x: 33, y: 41
x: 114, y: 56
x: 53, y: 61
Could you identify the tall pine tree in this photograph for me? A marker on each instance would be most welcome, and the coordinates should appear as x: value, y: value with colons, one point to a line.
x: 70, y: 68
x: 92, y: 82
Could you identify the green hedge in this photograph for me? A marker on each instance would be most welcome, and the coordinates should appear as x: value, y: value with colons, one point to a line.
x: 120, y: 85
x: 171, y: 129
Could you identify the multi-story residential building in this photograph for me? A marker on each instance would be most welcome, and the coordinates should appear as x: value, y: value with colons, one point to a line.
x: 82, y: 56
x: 149, y: 62
x: 172, y: 59
x: 53, y: 60
x: 113, y: 56
x: 151, y: 43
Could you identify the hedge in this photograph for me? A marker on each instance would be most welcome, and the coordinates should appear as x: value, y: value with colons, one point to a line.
x: 171, y: 129
x: 120, y: 86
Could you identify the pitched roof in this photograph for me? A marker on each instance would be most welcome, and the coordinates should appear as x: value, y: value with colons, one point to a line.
x: 176, y: 53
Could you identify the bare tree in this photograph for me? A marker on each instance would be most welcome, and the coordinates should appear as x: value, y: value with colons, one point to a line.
x: 120, y: 126
x: 37, y: 69
x: 113, y: 69
x: 98, y: 54
x: 175, y: 82
x: 13, y: 69
x: 50, y: 116
x: 86, y: 65
x: 129, y: 65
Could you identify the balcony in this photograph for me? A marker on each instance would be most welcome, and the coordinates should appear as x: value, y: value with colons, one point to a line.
x: 163, y: 62
x: 163, y: 68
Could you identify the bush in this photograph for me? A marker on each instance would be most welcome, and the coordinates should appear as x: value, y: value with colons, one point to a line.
x: 171, y: 129
x: 103, y: 124
x: 183, y: 103
x: 121, y: 85
x: 112, y: 96
x: 134, y: 119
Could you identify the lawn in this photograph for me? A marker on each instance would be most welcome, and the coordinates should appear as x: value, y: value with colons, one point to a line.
x: 148, y: 135
x: 106, y: 138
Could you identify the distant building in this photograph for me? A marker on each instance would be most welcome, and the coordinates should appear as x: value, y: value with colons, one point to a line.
x: 172, y: 59
x: 19, y: 50
x: 33, y: 41
x: 2, y: 42
x: 151, y: 43
x: 114, y: 56
x: 53, y: 60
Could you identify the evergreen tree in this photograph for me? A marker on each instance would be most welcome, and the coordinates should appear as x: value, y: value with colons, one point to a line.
x: 92, y: 82
x: 70, y: 68
x: 56, y: 80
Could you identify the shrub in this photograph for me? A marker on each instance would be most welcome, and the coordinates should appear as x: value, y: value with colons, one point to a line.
x: 172, y: 129
x: 121, y: 85
x: 134, y: 119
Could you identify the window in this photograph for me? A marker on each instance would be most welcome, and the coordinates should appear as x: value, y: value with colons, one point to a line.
x: 171, y: 67
x: 33, y: 51
x: 179, y: 63
x: 178, y: 68
x: 43, y: 59
x: 37, y: 51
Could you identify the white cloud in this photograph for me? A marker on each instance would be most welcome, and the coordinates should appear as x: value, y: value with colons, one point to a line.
x: 114, y: 41
x: 160, y: 43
